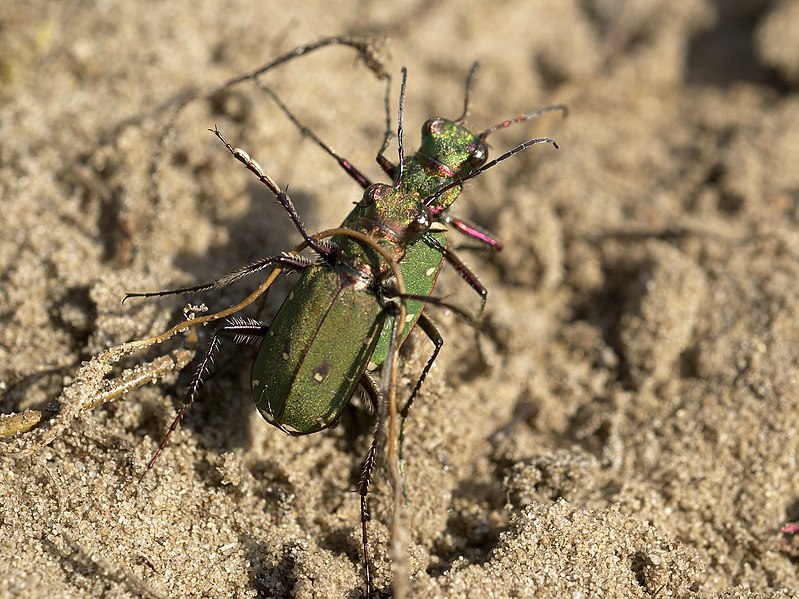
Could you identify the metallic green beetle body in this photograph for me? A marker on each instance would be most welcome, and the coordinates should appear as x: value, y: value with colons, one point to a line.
x: 420, y: 269
x: 306, y: 370
x: 318, y: 346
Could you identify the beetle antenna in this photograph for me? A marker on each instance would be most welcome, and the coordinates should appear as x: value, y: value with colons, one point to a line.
x: 442, y: 303
x: 400, y: 148
x: 467, y: 94
x: 525, y: 117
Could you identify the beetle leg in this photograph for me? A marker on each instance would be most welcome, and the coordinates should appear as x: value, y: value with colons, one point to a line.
x: 472, y: 230
x: 433, y: 334
x: 388, y: 167
x: 463, y: 270
x: 372, y: 390
x: 289, y: 261
x: 243, y: 331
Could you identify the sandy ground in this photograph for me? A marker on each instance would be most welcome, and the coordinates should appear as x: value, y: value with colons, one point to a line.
x: 633, y: 431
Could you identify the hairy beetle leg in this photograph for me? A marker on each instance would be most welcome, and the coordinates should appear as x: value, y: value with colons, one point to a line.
x: 290, y: 261
x: 243, y: 331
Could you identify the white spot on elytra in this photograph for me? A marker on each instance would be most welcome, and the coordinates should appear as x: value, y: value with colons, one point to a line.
x: 410, y: 317
x: 318, y: 377
x: 429, y: 272
x: 285, y: 356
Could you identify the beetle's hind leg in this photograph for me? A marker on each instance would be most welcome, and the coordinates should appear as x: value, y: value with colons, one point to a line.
x: 463, y: 271
x: 434, y: 335
x: 243, y: 331
x: 372, y: 390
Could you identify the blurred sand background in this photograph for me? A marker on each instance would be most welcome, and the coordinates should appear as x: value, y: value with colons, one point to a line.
x: 634, y: 433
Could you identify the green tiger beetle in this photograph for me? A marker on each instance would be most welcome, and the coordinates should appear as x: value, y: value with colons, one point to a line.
x: 314, y: 354
x: 448, y: 151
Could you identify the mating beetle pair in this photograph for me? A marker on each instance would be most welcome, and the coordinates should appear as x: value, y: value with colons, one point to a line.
x: 349, y: 308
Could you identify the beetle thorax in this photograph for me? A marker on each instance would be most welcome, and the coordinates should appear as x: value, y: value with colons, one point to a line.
x: 393, y: 219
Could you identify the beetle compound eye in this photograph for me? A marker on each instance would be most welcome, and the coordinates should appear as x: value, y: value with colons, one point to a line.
x: 422, y: 221
x: 431, y: 126
x: 479, y: 156
x: 372, y: 194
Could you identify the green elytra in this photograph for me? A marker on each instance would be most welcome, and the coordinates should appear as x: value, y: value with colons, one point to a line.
x: 319, y: 343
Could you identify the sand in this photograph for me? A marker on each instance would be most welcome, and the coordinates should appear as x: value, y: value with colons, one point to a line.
x: 627, y: 427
